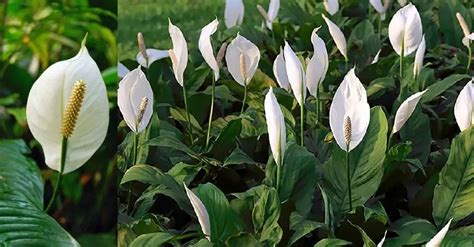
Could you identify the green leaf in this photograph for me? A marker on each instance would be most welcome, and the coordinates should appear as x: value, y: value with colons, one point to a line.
x: 367, y: 241
x: 441, y: 86
x: 22, y: 219
x: 453, y: 195
x: 152, y: 239
x: 180, y: 115
x: 224, y: 221
x: 411, y: 231
x: 380, y: 86
x: 238, y: 157
x: 265, y: 215
x: 227, y: 139
x: 171, y: 141
x: 243, y: 239
x: 417, y: 131
x: 302, y: 227
x: 366, y: 167
x: 377, y: 212
x: 329, y: 242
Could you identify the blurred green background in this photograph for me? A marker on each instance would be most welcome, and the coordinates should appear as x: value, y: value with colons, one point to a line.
x: 33, y: 35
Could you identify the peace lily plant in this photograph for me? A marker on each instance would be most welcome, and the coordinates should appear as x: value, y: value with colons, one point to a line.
x: 467, y: 39
x: 272, y: 13
x: 338, y: 37
x: 234, y: 13
x: 68, y: 113
x: 146, y: 57
x: 464, y: 107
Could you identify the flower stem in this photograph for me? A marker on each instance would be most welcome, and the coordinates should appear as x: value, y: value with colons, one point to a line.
x: 278, y: 173
x: 134, y: 161
x: 401, y: 58
x: 245, y: 98
x: 302, y: 121
x: 470, y: 58
x: 61, y: 170
x: 188, y: 116
x: 213, y: 92
x: 317, y: 107
x: 380, y: 24
x: 348, y: 178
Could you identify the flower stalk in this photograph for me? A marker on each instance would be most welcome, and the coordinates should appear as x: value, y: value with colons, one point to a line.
x: 211, y: 111
x: 347, y: 138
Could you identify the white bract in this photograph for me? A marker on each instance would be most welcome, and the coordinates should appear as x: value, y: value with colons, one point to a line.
x: 275, y: 126
x: 279, y: 70
x: 242, y: 59
x: 201, y: 212
x: 405, y: 30
x: 153, y: 55
x: 179, y: 53
x: 405, y: 110
x: 468, y: 37
x: 376, y: 58
x: 419, y: 56
x: 349, y: 102
x: 318, y: 65
x: 46, y: 111
x: 135, y: 100
x: 378, y: 6
x: 380, y: 244
x: 272, y: 13
x: 464, y: 107
x: 122, y: 70
x: 438, y: 238
x: 337, y: 36
x: 234, y: 13
x: 296, y: 75
x: 205, y: 46
x: 331, y: 6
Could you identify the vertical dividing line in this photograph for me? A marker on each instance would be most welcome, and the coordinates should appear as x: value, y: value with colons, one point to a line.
x: 61, y: 170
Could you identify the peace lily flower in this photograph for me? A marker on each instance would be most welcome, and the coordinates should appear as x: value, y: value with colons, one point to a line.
x: 376, y: 58
x: 337, y: 36
x: 205, y: 46
x: 146, y: 57
x: 405, y: 110
x: 419, y: 56
x: 272, y: 13
x: 467, y: 38
x: 318, y: 65
x: 331, y: 6
x: 122, y: 70
x: 438, y: 238
x: 405, y: 31
x: 279, y: 70
x: 378, y: 6
x: 276, y: 130
x: 464, y: 107
x: 242, y: 59
x: 201, y: 212
x: 380, y: 244
x: 135, y: 100
x: 234, y: 13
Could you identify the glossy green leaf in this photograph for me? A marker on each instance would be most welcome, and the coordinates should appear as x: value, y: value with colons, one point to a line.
x: 152, y: 239
x: 265, y: 215
x: 329, y: 242
x: 440, y: 87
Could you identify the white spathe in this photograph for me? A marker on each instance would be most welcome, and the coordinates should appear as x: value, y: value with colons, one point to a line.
x: 350, y: 101
x: 405, y: 110
x: 279, y: 70
x: 122, y: 70
x: 419, y: 56
x: 331, y: 6
x: 251, y: 54
x: 337, y: 36
x: 179, y: 53
x: 234, y: 13
x: 378, y: 6
x: 464, y: 107
x: 47, y: 100
x: 201, y: 212
x: 376, y: 58
x: 153, y: 55
x: 380, y: 244
x: 438, y: 238
x: 296, y: 74
x: 132, y: 89
x: 272, y: 13
x: 275, y: 126
x: 405, y: 30
x: 205, y: 46
x: 318, y: 65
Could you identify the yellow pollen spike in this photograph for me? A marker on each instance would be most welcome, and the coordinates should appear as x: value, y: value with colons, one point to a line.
x: 73, y: 107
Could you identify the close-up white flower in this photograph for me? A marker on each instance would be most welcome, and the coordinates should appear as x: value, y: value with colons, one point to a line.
x: 201, y: 212
x: 349, y: 111
x: 331, y: 6
x: 234, y: 13
x: 205, y: 46
x: 69, y: 100
x: 279, y: 70
x: 419, y: 56
x: 464, y: 107
x: 405, y: 110
x: 242, y: 59
x: 437, y: 240
x: 146, y: 57
x: 135, y: 100
x: 318, y: 65
x: 405, y: 30
x: 296, y: 74
x: 179, y: 53
x: 276, y: 127
x: 338, y: 36
x: 122, y: 70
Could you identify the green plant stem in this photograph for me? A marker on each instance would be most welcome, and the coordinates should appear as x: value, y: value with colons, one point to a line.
x: 389, y: 142
x: 346, y: 63
x: 317, y: 106
x: 380, y: 24
x: 348, y: 178
x: 245, y: 98
x: 401, y: 58
x: 470, y: 57
x: 302, y: 121
x: 190, y: 129
x: 134, y: 161
x: 187, y: 235
x: 278, y: 174
x: 61, y: 170
x: 213, y: 92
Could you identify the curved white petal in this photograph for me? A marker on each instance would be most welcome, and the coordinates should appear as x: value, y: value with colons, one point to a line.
x: 180, y: 50
x: 251, y: 54
x: 45, y: 108
x: 419, y: 56
x: 201, y: 212
x: 272, y: 12
x: 318, y: 65
x: 464, y: 107
x: 337, y: 36
x: 234, y: 13
x: 405, y: 29
x: 296, y: 75
x: 132, y: 89
x: 331, y: 6
x: 275, y: 126
x: 350, y: 101
x: 378, y: 6
x: 153, y: 55
x: 380, y: 244
x: 279, y: 70
x: 438, y: 238
x: 122, y: 70
x: 376, y: 58
x: 405, y: 110
x: 205, y: 46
